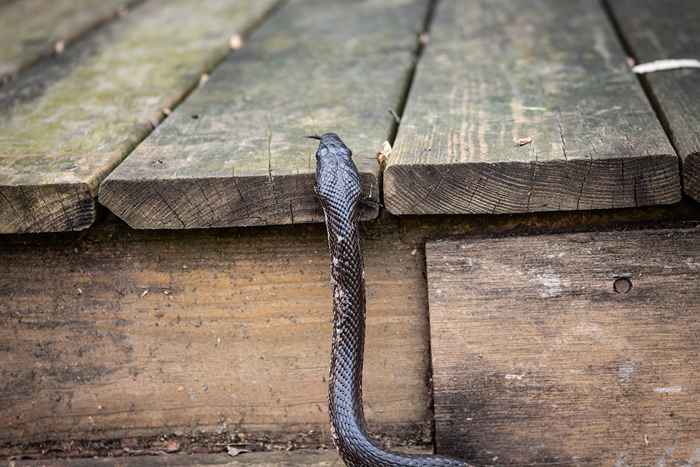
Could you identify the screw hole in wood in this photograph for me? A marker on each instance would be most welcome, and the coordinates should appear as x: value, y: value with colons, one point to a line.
x: 622, y: 285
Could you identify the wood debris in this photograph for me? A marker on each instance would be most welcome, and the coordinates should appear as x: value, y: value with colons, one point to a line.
x: 384, y: 153
x: 524, y: 141
x: 236, y: 42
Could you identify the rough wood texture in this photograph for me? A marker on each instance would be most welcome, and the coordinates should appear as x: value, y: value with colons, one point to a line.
x: 551, y: 72
x: 125, y: 333
x: 31, y: 29
x: 659, y: 30
x: 253, y: 459
x: 537, y: 359
x: 315, y: 458
x: 235, y: 154
x: 66, y: 123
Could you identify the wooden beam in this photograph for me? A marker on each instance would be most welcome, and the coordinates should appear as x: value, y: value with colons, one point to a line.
x: 577, y: 349
x: 67, y: 123
x: 32, y: 29
x: 121, y: 333
x: 668, y: 30
x: 235, y: 154
x: 308, y: 458
x: 526, y: 106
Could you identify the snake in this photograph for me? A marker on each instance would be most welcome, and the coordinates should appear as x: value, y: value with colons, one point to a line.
x: 339, y: 191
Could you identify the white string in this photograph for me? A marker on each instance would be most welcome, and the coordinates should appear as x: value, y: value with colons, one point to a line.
x: 662, y: 65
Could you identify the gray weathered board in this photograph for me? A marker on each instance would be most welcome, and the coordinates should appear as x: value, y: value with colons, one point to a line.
x: 65, y: 123
x: 526, y: 106
x: 543, y: 355
x: 31, y: 29
x: 234, y: 153
x: 658, y: 30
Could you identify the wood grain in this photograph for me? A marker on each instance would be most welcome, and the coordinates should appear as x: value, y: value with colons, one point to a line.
x: 235, y: 154
x: 542, y: 355
x: 66, y: 123
x: 121, y: 333
x: 31, y: 29
x: 253, y: 459
x: 663, y: 30
x: 526, y: 106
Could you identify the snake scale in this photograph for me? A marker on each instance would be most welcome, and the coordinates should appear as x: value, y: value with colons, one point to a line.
x: 339, y: 191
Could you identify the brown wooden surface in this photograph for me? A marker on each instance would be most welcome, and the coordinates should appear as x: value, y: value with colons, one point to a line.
x: 234, y: 153
x: 325, y: 458
x: 119, y: 333
x: 663, y: 30
x: 31, y: 29
x: 526, y: 106
x: 537, y: 360
x: 77, y: 333
x: 66, y: 123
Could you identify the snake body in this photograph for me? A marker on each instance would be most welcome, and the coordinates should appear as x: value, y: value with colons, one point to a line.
x: 339, y: 191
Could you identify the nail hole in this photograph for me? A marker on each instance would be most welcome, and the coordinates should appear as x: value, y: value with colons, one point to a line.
x: 622, y: 285
x: 195, y: 116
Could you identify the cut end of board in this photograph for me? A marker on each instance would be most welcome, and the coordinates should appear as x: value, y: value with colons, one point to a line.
x: 522, y: 187
x: 46, y: 208
x: 223, y: 201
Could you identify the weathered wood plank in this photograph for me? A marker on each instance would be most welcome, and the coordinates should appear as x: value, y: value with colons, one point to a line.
x: 66, y: 123
x: 662, y: 30
x: 124, y: 333
x: 526, y: 106
x: 235, y: 154
x: 310, y: 458
x: 257, y: 459
x: 543, y: 355
x: 32, y: 29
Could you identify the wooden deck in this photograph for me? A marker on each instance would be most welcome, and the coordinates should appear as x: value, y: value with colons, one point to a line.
x: 531, y: 248
x: 513, y: 108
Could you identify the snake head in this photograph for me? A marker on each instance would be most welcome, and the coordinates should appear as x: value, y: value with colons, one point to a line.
x: 337, y: 179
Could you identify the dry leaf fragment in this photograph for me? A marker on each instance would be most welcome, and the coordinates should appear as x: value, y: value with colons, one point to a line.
x: 384, y: 153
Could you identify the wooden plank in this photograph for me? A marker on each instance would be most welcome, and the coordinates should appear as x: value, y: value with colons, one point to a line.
x: 235, y: 154
x: 32, y: 29
x: 67, y: 123
x: 543, y: 355
x: 257, y: 459
x: 110, y: 258
x: 526, y: 106
x: 121, y: 333
x: 662, y: 30
x: 310, y: 458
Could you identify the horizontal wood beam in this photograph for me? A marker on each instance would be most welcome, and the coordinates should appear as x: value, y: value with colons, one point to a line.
x: 574, y: 349
x: 120, y: 333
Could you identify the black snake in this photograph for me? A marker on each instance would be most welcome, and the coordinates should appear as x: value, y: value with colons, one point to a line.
x: 339, y: 191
